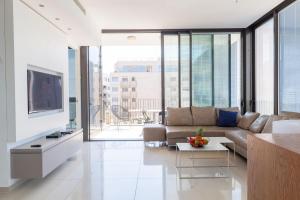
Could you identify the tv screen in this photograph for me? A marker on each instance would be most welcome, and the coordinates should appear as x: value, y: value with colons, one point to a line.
x: 44, y: 92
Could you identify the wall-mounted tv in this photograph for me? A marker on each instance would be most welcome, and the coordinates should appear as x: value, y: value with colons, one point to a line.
x: 45, y: 91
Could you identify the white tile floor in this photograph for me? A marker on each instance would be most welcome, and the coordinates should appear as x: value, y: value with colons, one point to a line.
x: 128, y: 171
x: 122, y: 132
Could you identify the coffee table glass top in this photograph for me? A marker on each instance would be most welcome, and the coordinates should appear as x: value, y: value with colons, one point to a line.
x: 188, y: 147
x: 215, y: 144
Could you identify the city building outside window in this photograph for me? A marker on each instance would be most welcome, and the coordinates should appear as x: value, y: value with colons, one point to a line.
x: 115, y: 79
x: 115, y: 89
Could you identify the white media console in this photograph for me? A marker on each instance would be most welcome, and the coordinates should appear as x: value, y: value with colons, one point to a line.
x: 37, y: 162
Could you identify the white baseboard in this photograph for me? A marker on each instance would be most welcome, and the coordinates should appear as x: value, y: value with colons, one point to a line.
x: 13, y: 186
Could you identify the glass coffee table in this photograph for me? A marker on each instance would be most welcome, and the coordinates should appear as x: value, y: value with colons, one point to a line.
x: 216, y: 146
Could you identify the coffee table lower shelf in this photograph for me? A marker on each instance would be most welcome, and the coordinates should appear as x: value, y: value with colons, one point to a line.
x: 215, y: 170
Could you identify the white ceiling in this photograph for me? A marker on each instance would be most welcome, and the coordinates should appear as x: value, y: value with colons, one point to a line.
x: 169, y: 14
x: 149, y: 14
x: 122, y: 39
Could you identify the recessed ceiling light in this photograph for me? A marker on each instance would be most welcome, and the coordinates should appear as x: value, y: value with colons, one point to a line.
x: 131, y: 37
x: 57, y: 19
x: 41, y: 5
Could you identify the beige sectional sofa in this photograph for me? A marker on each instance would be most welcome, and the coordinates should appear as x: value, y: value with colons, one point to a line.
x: 182, y: 123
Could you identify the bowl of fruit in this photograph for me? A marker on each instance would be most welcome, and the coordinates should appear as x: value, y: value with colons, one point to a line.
x: 198, y: 140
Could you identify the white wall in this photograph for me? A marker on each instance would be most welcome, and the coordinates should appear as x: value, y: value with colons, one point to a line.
x: 26, y: 38
x: 39, y: 43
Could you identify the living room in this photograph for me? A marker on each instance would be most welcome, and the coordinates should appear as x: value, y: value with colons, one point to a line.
x: 149, y: 99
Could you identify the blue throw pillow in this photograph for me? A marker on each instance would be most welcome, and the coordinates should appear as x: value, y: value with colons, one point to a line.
x: 227, y: 118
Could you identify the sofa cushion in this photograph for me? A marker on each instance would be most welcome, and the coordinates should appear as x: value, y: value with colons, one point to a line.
x: 247, y: 119
x: 188, y: 131
x: 227, y: 118
x: 239, y: 137
x: 258, y: 125
x: 179, y: 116
x: 230, y: 109
x: 154, y: 132
x: 269, y: 123
x: 204, y: 116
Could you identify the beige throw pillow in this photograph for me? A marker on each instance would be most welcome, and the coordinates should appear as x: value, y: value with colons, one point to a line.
x: 258, y: 125
x: 179, y: 116
x: 247, y: 119
x: 204, y: 116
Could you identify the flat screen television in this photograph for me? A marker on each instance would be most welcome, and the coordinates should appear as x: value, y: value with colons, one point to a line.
x: 45, y: 91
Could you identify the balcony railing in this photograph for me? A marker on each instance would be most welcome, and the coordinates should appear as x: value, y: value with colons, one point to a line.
x: 137, y: 112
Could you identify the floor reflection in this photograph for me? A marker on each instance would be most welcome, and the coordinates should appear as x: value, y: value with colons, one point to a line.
x: 128, y: 170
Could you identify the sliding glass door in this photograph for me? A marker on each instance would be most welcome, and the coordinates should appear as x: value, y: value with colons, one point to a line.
x: 235, y: 70
x: 289, y: 46
x: 202, y: 94
x: 222, y: 70
x: 264, y: 68
x: 184, y: 65
x: 171, y: 71
x: 202, y: 69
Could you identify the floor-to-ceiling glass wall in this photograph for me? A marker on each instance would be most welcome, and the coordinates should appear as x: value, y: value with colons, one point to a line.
x: 235, y: 69
x: 202, y: 70
x: 289, y: 62
x: 125, y: 85
x: 221, y: 70
x: 264, y: 68
x: 184, y: 64
x: 171, y: 70
x: 204, y: 67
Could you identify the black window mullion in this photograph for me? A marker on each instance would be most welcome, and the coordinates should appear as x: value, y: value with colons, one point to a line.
x: 162, y: 78
x: 276, y: 63
x: 191, y: 75
x: 253, y: 85
x: 229, y: 69
x: 179, y: 71
x: 212, y: 70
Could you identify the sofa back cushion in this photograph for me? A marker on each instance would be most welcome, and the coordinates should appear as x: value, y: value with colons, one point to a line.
x: 231, y: 109
x: 204, y: 116
x: 227, y: 118
x: 269, y: 123
x: 258, y: 125
x: 247, y: 119
x: 179, y: 116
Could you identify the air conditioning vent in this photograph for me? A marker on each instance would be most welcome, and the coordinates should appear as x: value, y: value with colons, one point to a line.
x: 80, y: 6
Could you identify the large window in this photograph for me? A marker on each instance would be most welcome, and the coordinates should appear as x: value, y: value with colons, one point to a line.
x: 235, y: 70
x: 185, y: 69
x: 171, y: 71
x: 221, y: 70
x: 264, y: 68
x: 203, y: 69
x: 289, y: 73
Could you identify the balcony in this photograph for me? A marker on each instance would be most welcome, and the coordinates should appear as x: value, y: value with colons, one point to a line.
x: 123, y: 119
